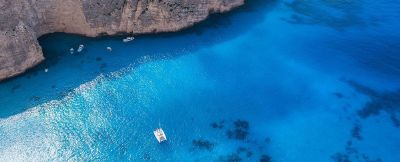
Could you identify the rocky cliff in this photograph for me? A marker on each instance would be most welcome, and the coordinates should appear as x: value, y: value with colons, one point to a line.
x: 23, y: 21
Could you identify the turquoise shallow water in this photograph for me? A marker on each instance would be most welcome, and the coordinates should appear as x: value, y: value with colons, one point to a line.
x: 273, y: 80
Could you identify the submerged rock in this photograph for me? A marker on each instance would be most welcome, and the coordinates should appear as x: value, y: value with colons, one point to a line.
x: 265, y: 158
x: 231, y: 158
x: 388, y: 101
x: 356, y: 132
x: 338, y: 157
x: 241, y: 124
x: 146, y: 157
x: 203, y: 144
x: 98, y: 58
x: 338, y: 95
x: 237, y: 134
x: 217, y: 125
x: 240, y: 131
x: 244, y: 151
x: 351, y: 153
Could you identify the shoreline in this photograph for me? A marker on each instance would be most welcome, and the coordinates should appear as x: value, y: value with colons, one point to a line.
x: 21, y: 57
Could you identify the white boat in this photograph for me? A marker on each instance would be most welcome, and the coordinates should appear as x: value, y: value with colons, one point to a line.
x: 109, y: 49
x: 71, y: 50
x: 160, y: 135
x: 46, y: 70
x: 80, y: 48
x: 128, y: 39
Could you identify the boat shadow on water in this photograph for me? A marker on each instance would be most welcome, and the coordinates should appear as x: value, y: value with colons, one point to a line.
x: 36, y: 86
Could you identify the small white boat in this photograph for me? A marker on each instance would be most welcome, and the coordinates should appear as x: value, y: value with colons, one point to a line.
x: 128, y: 39
x: 71, y: 50
x: 109, y: 49
x: 160, y: 135
x: 46, y: 70
x: 80, y: 48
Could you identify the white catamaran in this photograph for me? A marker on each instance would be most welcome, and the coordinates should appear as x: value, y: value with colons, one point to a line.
x: 160, y: 135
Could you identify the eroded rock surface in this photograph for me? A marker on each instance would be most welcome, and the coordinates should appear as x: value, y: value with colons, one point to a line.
x: 23, y: 21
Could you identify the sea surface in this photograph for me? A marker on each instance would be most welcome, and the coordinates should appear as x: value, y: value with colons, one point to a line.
x: 274, y: 80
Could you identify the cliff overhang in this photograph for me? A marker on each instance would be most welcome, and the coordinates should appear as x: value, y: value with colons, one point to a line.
x: 23, y: 21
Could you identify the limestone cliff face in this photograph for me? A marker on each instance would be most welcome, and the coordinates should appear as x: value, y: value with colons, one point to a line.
x: 23, y: 21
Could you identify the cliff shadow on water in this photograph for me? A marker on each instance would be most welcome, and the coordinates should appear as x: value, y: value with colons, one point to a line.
x: 66, y: 71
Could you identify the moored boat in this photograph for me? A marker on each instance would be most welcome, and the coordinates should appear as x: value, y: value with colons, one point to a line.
x: 109, y: 49
x: 80, y: 48
x: 128, y: 39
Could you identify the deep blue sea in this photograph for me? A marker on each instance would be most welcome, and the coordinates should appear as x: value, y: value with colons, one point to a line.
x: 274, y: 80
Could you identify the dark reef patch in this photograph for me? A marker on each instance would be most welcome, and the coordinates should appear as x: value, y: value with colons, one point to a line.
x: 350, y: 149
x: 338, y: 95
x: 231, y: 158
x: 146, y: 157
x: 339, y: 157
x: 249, y: 150
x: 356, y: 132
x: 342, y: 157
x: 217, y: 125
x: 98, y: 58
x: 240, y: 131
x: 238, y: 134
x: 241, y: 124
x: 315, y: 13
x: 244, y: 152
x: 352, y: 154
x: 265, y: 158
x: 201, y: 144
x: 380, y: 101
